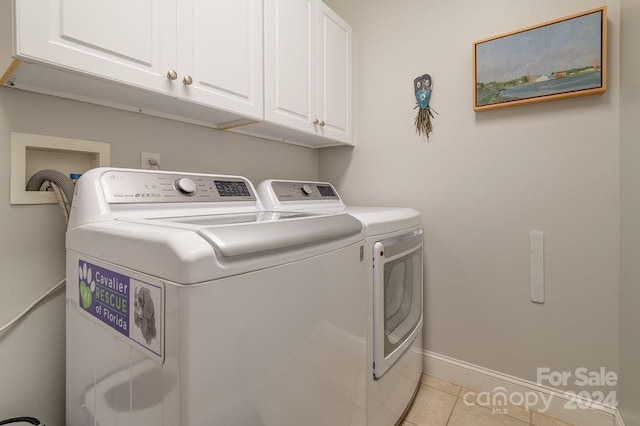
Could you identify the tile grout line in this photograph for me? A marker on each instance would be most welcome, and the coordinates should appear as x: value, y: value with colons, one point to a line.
x: 443, y: 391
x: 454, y: 404
x: 452, y: 410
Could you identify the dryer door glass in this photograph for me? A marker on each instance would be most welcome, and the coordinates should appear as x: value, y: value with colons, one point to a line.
x: 402, y: 299
x: 397, y: 294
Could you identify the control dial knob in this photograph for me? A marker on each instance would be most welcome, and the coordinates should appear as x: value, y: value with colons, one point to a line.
x: 306, y: 189
x: 186, y: 186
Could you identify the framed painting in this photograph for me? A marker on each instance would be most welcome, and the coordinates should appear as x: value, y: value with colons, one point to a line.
x: 560, y: 59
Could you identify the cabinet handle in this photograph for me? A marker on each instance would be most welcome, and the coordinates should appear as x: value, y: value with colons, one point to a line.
x: 322, y: 124
x: 187, y: 80
x: 172, y: 74
x: 315, y: 122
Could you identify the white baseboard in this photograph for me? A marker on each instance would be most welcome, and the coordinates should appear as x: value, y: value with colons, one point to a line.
x: 550, y: 402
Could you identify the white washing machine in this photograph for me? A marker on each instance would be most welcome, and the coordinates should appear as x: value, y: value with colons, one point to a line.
x: 393, y: 288
x: 187, y: 304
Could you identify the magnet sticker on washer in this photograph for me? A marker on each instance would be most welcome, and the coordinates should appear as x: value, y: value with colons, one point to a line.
x: 130, y: 307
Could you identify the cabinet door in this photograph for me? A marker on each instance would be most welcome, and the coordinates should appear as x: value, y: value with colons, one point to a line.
x: 220, y: 49
x: 334, y: 75
x: 290, y: 63
x: 133, y: 42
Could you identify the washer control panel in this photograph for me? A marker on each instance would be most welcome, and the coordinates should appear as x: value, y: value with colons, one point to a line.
x: 301, y: 191
x: 166, y: 187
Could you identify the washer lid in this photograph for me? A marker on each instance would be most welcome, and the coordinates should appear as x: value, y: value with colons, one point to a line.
x: 187, y: 254
x: 250, y: 233
x: 226, y: 218
x: 256, y: 237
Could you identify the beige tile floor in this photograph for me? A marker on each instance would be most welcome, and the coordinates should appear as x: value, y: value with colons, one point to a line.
x: 440, y: 403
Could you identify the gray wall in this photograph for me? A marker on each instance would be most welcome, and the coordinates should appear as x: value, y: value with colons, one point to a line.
x: 485, y: 180
x: 32, y: 256
x: 482, y: 183
x: 630, y: 212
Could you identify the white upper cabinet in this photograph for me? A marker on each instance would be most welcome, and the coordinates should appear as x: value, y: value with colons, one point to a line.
x: 220, y: 54
x: 308, y: 68
x: 132, y: 42
x: 334, y: 75
x: 277, y: 69
x: 209, y: 52
x: 291, y: 63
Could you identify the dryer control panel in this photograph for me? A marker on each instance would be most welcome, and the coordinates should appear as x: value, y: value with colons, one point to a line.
x: 126, y: 186
x: 302, y: 191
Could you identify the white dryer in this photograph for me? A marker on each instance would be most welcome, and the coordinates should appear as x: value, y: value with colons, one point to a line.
x: 393, y: 288
x: 187, y: 304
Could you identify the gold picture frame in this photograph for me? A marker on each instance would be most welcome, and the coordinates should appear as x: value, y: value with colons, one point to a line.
x: 559, y: 59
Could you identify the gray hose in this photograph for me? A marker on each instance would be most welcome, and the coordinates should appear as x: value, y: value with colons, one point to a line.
x: 54, y: 176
